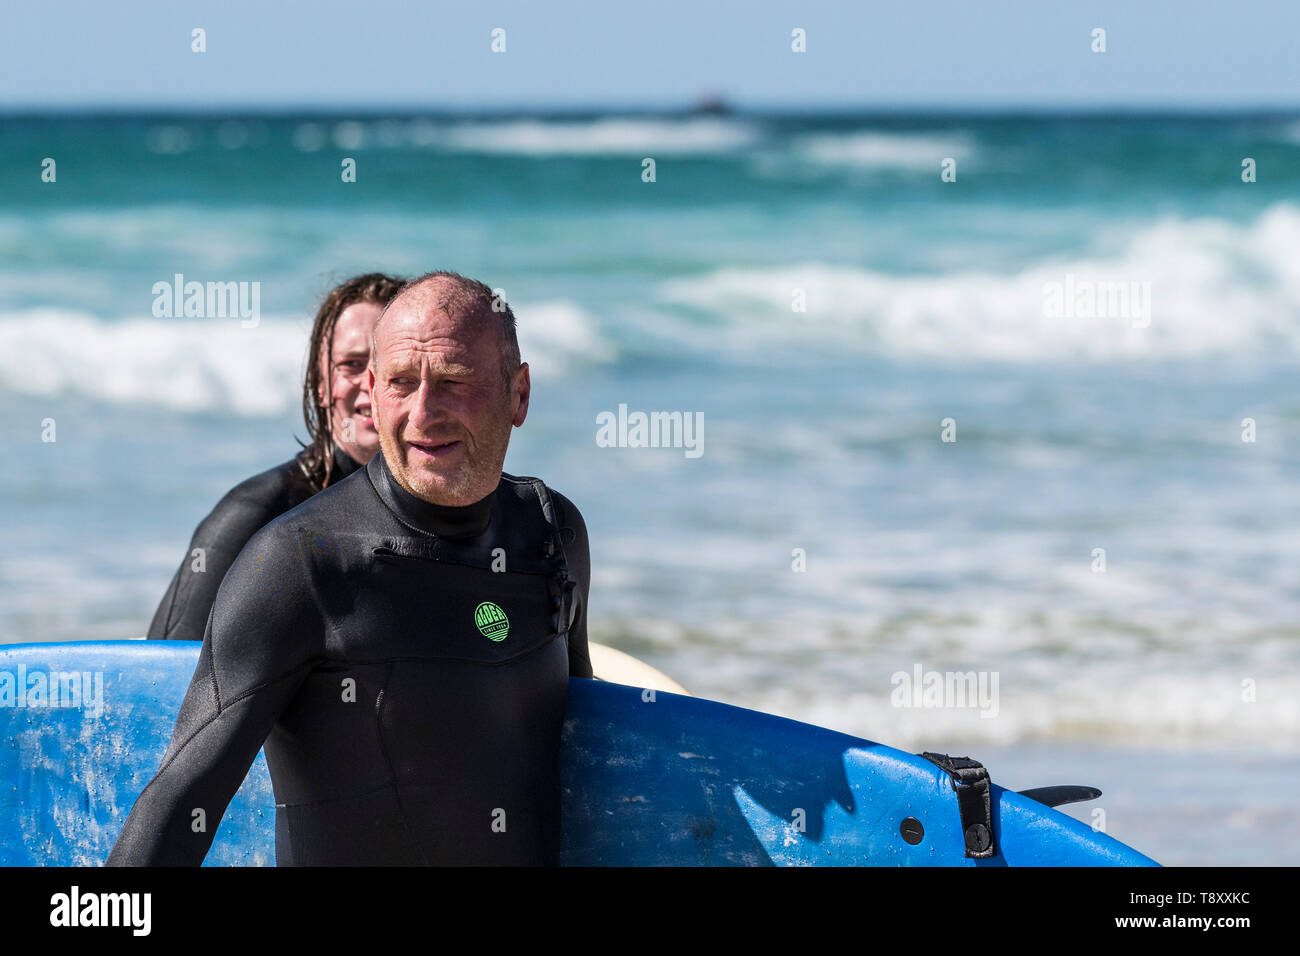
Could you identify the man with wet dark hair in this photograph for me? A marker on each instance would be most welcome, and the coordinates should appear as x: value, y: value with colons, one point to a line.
x: 341, y: 438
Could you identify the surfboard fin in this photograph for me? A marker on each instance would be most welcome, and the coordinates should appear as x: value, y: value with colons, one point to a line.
x: 1056, y: 796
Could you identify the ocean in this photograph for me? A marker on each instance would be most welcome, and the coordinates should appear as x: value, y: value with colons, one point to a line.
x: 1034, y: 425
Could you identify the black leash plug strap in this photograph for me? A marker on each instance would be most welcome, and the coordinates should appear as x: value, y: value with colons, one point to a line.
x: 974, y: 800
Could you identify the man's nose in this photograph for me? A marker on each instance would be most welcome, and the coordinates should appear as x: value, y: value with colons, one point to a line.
x: 425, y: 407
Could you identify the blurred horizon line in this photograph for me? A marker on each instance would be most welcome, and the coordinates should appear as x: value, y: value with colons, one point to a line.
x: 721, y: 109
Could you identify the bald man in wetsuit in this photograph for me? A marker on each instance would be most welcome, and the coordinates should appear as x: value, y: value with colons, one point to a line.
x: 401, y: 643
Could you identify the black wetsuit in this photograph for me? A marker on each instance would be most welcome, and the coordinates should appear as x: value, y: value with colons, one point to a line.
x: 406, y: 666
x: 183, y: 613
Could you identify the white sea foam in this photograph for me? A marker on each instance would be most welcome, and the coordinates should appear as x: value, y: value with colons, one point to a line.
x: 1216, y: 288
x: 216, y: 365
x: 1099, y: 688
x: 1166, y: 711
x: 188, y: 364
x: 599, y: 137
x: 554, y: 336
x: 1153, y: 652
x: 884, y: 150
x: 643, y: 136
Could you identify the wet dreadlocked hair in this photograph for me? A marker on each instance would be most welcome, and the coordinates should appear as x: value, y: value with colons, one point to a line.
x: 317, y: 455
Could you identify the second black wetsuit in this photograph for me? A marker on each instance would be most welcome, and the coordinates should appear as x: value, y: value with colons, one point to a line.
x: 183, y: 613
x: 406, y: 666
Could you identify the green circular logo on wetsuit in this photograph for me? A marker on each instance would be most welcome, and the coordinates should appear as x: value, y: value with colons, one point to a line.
x: 492, y: 621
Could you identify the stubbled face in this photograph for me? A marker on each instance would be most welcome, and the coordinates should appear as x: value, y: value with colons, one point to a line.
x: 351, y: 418
x: 443, y: 414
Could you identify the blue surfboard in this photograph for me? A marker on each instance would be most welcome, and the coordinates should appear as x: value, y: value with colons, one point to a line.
x: 649, y: 778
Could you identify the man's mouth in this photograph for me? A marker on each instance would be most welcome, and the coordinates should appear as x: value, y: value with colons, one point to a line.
x: 433, y: 450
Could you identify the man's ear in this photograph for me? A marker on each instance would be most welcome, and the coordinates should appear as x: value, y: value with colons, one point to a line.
x: 370, y: 387
x: 522, y: 387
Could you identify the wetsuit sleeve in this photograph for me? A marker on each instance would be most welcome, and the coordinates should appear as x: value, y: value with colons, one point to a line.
x: 573, y: 531
x: 183, y: 613
x: 266, y: 631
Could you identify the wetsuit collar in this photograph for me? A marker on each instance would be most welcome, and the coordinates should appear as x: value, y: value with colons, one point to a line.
x: 446, y: 521
x: 344, y: 465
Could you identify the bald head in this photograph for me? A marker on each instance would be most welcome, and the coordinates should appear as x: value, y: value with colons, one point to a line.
x: 467, y: 302
x: 446, y: 387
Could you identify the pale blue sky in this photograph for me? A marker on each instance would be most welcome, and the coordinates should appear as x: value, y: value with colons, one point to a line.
x: 568, y: 53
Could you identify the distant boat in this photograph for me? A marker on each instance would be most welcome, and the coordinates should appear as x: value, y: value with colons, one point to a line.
x: 712, y: 104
